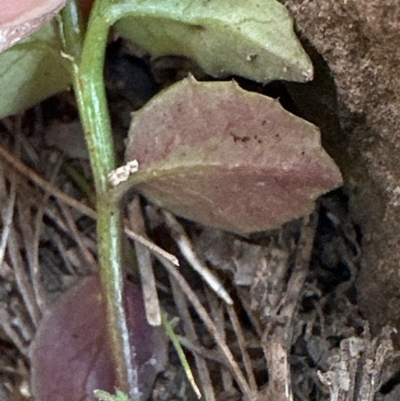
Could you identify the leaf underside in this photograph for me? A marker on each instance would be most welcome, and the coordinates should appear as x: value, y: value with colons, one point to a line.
x: 253, y: 39
x: 227, y: 158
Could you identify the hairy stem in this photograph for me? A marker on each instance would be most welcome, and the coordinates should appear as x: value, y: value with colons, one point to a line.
x: 87, y: 72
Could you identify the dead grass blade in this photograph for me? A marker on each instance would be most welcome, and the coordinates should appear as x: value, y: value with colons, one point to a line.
x: 243, y: 350
x: 7, y: 200
x: 185, y: 246
x: 194, y: 300
x: 151, y: 303
x: 201, y: 366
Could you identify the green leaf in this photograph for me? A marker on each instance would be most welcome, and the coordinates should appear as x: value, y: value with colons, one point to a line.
x: 228, y: 158
x: 105, y: 396
x: 181, y: 354
x: 32, y: 70
x: 252, y: 38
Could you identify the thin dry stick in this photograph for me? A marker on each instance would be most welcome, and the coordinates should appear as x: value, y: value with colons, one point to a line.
x: 71, y: 260
x: 194, y: 300
x: 87, y: 256
x: 242, y: 345
x: 45, y: 185
x: 89, y: 242
x: 33, y: 248
x: 23, y: 283
x: 143, y: 257
x: 54, y: 216
x: 68, y: 200
x: 12, y: 333
x: 153, y: 248
x: 244, y: 298
x: 203, y: 352
x: 185, y: 246
x: 23, y: 141
x: 20, y: 319
x: 7, y: 211
x: 63, y: 252
x: 51, y: 213
x: 218, y: 315
x: 299, y: 274
x: 6, y: 272
x: 24, y: 286
x: 25, y: 219
x: 183, y: 310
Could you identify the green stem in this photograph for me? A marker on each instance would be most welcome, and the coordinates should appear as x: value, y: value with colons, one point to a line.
x: 90, y: 94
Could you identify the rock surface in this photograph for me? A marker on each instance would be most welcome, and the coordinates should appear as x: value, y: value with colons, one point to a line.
x: 360, y: 43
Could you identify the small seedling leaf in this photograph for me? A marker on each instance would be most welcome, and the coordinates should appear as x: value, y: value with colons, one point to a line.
x: 105, y: 396
x: 228, y: 158
x: 253, y: 38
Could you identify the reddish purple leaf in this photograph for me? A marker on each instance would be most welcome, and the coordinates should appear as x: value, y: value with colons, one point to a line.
x: 228, y: 158
x: 70, y: 355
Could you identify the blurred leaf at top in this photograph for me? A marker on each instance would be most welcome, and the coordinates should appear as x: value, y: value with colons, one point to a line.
x: 253, y: 39
x: 32, y: 70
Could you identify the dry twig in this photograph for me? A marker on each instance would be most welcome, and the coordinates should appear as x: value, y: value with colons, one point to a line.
x: 185, y: 246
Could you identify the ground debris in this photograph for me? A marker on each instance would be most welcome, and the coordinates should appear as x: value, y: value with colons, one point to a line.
x: 356, y: 369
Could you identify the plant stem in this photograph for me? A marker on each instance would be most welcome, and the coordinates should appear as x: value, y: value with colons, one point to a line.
x: 87, y: 72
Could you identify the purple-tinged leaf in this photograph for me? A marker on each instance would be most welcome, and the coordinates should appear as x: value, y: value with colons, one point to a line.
x: 228, y: 158
x: 70, y: 355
